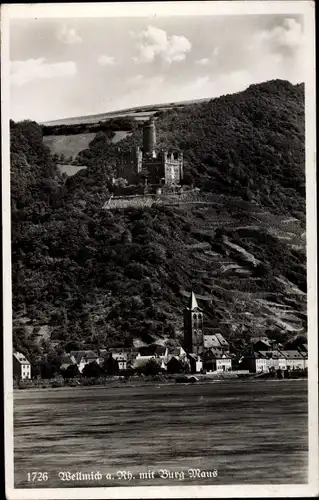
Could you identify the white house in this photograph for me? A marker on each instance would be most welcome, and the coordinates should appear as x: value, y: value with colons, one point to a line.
x: 21, y: 366
x: 224, y: 364
x: 121, y: 358
x: 295, y: 360
x: 216, y: 359
x: 196, y: 362
x: 274, y: 360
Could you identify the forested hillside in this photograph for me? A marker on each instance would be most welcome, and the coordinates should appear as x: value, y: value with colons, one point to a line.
x: 84, y: 275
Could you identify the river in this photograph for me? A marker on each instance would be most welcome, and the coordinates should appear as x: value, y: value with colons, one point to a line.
x: 232, y: 432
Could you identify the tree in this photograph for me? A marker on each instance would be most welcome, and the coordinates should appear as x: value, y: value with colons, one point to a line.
x: 152, y: 367
x: 110, y: 365
x: 70, y: 372
x: 92, y: 370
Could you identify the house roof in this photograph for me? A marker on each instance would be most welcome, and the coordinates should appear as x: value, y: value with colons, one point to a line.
x: 118, y: 349
x: 216, y: 340
x: 21, y: 358
x: 218, y: 353
x: 119, y: 356
x: 194, y: 356
x: 67, y: 359
x: 211, y: 341
x: 175, y: 350
x: 152, y: 349
x: 78, y: 355
x: 292, y: 355
x: 175, y: 359
x: 256, y: 355
x: 272, y: 354
x: 265, y: 340
x: 221, y: 339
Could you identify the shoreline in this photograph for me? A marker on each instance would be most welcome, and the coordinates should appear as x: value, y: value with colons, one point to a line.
x: 117, y: 383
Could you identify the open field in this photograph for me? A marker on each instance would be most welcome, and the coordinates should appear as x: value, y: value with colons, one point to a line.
x: 71, y: 145
x: 139, y: 112
x: 251, y: 432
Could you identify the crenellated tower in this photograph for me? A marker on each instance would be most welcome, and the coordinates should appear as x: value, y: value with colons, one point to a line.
x: 149, y: 166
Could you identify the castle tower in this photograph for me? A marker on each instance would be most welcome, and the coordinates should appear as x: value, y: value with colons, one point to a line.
x: 149, y: 138
x: 193, y: 327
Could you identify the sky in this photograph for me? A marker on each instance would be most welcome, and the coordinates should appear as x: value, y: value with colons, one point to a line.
x: 75, y: 67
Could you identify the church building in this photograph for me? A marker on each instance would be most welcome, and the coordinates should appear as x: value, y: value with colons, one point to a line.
x: 193, y: 327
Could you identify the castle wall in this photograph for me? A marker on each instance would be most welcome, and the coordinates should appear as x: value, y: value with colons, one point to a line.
x: 129, y: 165
x: 154, y: 169
x: 140, y: 201
x: 173, y: 171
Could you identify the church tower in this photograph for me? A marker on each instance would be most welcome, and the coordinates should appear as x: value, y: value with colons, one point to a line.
x: 193, y: 327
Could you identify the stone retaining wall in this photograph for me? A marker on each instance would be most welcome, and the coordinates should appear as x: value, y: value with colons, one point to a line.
x: 148, y: 200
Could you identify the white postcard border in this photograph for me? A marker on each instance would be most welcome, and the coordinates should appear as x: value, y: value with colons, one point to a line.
x: 151, y: 9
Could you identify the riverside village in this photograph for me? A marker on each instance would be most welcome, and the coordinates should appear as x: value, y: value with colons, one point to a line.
x: 153, y: 176
x: 202, y: 353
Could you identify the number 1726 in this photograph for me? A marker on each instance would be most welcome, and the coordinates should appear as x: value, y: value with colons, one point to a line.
x: 37, y: 476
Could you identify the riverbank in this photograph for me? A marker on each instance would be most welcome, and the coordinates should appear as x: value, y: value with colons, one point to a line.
x: 136, y: 380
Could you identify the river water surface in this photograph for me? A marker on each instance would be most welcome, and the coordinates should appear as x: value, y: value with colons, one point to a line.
x: 249, y: 432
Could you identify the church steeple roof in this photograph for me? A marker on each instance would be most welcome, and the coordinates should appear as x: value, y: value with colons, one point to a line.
x: 192, y: 303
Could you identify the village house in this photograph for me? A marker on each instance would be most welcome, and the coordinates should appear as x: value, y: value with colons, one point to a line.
x: 176, y: 351
x: 177, y: 365
x: 195, y: 362
x: 216, y: 360
x: 121, y: 356
x: 83, y: 358
x: 295, y: 360
x: 275, y: 360
x: 154, y: 349
x: 255, y: 362
x: 21, y: 366
x: 261, y: 344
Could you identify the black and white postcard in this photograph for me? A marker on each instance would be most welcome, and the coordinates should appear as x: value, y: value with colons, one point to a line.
x: 160, y: 251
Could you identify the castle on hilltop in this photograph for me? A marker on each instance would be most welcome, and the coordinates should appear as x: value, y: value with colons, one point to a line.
x: 149, y: 166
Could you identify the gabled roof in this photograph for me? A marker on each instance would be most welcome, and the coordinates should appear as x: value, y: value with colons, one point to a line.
x: 216, y: 340
x: 175, y: 359
x: 176, y: 350
x: 211, y: 341
x: 292, y: 355
x: 256, y: 355
x: 221, y: 339
x: 194, y: 356
x: 67, y: 359
x: 152, y: 349
x: 119, y: 356
x: 272, y: 354
x: 218, y: 353
x: 265, y: 340
x: 78, y: 355
x: 192, y: 303
x: 21, y: 358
